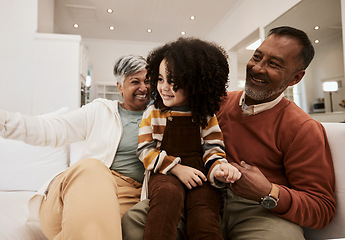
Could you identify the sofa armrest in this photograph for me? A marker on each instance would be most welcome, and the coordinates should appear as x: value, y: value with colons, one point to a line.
x: 335, y: 230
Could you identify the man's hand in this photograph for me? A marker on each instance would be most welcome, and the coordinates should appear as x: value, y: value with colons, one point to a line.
x: 227, y: 173
x: 189, y: 176
x: 252, y: 184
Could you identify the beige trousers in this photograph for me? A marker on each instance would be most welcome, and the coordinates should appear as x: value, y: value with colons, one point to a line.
x: 87, y: 201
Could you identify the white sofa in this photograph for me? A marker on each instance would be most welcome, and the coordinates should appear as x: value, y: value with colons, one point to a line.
x: 24, y: 168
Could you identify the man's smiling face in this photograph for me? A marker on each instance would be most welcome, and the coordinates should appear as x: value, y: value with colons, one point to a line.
x: 274, y: 66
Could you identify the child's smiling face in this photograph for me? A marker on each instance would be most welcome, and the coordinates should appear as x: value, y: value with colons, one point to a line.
x: 169, y: 96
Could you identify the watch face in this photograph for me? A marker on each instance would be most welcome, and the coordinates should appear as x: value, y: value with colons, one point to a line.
x: 269, y: 202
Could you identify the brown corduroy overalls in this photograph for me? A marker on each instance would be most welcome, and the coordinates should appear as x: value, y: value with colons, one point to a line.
x: 169, y: 197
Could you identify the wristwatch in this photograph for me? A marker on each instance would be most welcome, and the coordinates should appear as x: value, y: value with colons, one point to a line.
x: 272, y: 199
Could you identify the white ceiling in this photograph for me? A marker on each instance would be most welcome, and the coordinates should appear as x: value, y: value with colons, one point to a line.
x: 309, y: 13
x: 132, y: 18
x: 306, y: 15
x: 167, y: 18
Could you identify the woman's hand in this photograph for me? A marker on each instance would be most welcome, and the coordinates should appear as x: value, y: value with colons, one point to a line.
x: 189, y: 176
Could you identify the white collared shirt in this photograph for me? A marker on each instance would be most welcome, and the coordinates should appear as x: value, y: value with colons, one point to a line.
x: 258, y: 108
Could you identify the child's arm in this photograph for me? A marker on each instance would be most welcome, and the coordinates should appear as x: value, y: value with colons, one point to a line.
x: 148, y: 151
x: 189, y: 176
x: 213, y: 147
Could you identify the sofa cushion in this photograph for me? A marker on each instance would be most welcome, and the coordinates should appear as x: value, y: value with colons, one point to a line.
x: 26, y: 167
x: 14, y: 213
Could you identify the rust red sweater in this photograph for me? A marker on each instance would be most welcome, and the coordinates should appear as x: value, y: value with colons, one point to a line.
x: 291, y: 150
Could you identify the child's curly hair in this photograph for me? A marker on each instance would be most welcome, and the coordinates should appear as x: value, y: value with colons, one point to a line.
x: 198, y: 67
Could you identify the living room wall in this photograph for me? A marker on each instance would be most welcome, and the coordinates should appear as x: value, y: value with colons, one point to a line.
x: 39, y: 72
x: 16, y: 59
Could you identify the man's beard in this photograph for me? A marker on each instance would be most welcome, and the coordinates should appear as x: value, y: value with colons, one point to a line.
x: 258, y: 95
x: 262, y: 95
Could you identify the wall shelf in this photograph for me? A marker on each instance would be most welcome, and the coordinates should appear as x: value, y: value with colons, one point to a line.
x: 108, y: 91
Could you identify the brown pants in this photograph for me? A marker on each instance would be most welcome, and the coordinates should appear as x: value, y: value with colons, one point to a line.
x: 168, y: 196
x: 87, y: 201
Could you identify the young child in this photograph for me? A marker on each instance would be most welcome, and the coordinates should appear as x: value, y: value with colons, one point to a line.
x: 180, y: 142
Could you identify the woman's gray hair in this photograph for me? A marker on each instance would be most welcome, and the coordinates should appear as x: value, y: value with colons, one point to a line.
x: 128, y: 65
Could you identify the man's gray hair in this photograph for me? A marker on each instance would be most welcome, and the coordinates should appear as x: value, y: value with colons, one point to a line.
x: 128, y: 65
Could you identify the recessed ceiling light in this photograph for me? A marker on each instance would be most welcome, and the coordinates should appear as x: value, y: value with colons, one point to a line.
x: 317, y: 27
x: 110, y: 10
x: 149, y: 30
x: 192, y: 17
x: 183, y: 33
x: 75, y: 25
x: 111, y: 28
x: 316, y: 41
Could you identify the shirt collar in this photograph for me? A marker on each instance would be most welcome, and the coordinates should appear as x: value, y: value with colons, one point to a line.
x: 258, y: 108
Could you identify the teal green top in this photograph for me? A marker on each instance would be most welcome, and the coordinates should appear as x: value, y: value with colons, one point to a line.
x: 126, y: 161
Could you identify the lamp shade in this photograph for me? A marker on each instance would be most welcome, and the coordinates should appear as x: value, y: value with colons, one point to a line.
x: 330, y: 86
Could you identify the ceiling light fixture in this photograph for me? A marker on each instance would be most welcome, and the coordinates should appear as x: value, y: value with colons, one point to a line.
x: 75, y: 25
x: 111, y: 28
x: 183, y: 33
x: 192, y: 17
x: 317, y: 27
x: 110, y: 10
x: 316, y: 41
x: 149, y: 30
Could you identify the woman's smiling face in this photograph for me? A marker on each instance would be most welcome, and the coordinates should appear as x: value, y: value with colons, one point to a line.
x: 135, y: 91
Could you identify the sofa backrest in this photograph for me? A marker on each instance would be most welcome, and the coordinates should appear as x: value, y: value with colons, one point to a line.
x: 24, y: 167
x: 336, y: 229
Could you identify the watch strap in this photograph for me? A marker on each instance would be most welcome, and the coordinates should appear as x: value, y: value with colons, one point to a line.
x: 274, y: 192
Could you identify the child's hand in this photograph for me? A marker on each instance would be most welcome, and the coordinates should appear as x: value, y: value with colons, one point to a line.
x: 227, y: 173
x: 189, y: 176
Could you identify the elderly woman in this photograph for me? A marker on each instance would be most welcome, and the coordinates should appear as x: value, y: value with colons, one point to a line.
x: 87, y: 200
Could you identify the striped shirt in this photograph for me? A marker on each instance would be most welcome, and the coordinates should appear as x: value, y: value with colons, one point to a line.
x: 150, y: 137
